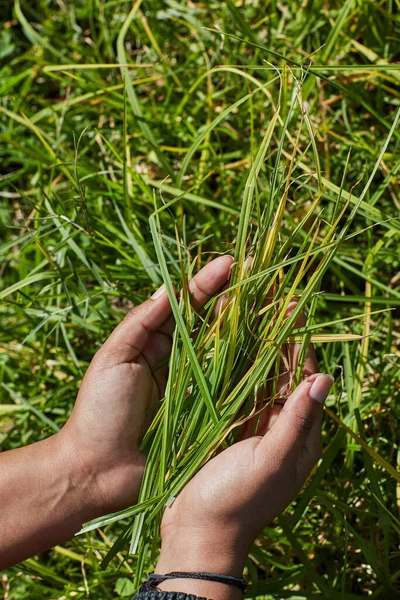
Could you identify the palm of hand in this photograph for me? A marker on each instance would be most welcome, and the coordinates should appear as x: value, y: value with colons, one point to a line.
x: 123, y: 383
x: 246, y: 486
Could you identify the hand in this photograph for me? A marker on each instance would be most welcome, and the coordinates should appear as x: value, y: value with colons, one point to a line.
x: 122, y: 383
x: 215, y: 519
x: 93, y: 465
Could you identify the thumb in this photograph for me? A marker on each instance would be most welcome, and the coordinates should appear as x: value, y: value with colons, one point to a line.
x: 300, y: 415
x: 129, y: 338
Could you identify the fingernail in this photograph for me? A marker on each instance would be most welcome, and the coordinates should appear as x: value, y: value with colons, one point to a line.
x: 321, y: 385
x: 161, y: 290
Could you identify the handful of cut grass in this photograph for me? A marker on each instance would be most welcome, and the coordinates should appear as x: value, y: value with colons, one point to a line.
x: 221, y: 360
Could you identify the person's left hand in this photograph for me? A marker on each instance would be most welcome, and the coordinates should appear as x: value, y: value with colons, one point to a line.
x: 93, y: 465
x: 122, y: 383
x: 213, y: 521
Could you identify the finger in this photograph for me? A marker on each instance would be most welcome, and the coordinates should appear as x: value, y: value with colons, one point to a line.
x: 269, y: 409
x: 310, y: 366
x: 292, y: 352
x: 312, y: 451
x: 288, y: 364
x: 202, y: 287
x: 221, y: 301
x: 268, y: 417
x: 130, y: 337
x: 160, y: 376
x: 208, y: 281
x: 276, y: 392
x: 302, y: 410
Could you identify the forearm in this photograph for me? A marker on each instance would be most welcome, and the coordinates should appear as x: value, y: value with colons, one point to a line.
x: 44, y: 499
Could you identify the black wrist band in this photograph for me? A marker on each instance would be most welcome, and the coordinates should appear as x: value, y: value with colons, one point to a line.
x: 154, y: 579
x: 159, y: 595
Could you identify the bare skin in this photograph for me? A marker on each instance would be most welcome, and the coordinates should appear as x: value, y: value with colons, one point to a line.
x: 215, y: 519
x: 93, y: 465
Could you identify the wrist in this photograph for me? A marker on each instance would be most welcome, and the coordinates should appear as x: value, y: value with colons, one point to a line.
x: 77, y: 479
x: 195, y: 557
x: 193, y: 554
x: 103, y: 483
x: 43, y: 499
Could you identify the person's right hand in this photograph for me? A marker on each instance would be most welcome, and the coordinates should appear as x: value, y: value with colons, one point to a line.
x: 212, y: 523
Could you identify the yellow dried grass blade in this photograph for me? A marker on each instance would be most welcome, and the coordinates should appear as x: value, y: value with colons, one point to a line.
x: 321, y: 338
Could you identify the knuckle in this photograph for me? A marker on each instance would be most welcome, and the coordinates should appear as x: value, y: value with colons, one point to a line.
x: 131, y: 315
x: 134, y: 319
x: 102, y: 358
x: 99, y: 358
x: 302, y: 423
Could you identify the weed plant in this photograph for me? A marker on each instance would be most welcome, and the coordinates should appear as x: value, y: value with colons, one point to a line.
x: 137, y: 142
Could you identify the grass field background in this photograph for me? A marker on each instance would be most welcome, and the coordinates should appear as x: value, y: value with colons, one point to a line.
x: 108, y: 106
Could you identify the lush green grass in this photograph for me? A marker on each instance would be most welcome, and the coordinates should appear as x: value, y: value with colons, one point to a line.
x: 86, y: 149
